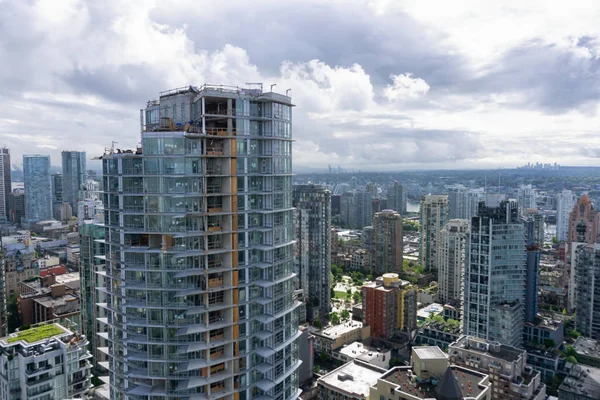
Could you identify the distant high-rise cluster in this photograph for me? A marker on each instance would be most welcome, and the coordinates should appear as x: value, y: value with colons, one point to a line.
x: 5, y: 184
x: 565, y: 201
x: 38, y: 188
x: 451, y: 256
x: 397, y: 198
x: 356, y: 209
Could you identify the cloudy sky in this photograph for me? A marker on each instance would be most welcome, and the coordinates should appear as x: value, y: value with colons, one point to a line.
x: 379, y: 85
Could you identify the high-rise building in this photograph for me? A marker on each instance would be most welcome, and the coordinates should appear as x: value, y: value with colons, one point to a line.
x: 389, y: 306
x: 495, y: 275
x: 38, y: 189
x: 5, y: 183
x: 565, y: 201
x: 583, y: 229
x: 587, y: 297
x: 396, y: 198
x: 433, y: 216
x: 452, y: 246
x: 313, y: 247
x: 47, y: 361
x: 199, y: 250
x: 456, y: 201
x: 93, y: 286
x: 356, y: 209
x: 531, y: 282
x: 534, y: 222
x: 74, y: 176
x: 16, y: 206
x: 471, y: 203
x: 512, y: 379
x: 526, y: 198
x: 56, y: 183
x: 387, y: 243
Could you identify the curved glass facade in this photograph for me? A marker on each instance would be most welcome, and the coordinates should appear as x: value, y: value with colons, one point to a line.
x: 199, y: 253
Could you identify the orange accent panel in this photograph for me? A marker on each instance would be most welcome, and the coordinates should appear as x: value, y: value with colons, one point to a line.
x: 235, y: 313
x: 234, y: 278
x: 235, y: 333
x: 236, y: 298
x: 233, y: 148
x: 234, y: 260
x: 203, y: 372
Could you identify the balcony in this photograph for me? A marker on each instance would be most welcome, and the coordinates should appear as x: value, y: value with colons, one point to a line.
x: 215, y: 283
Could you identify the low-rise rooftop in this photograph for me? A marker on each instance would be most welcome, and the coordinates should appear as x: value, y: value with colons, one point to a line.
x: 467, y: 381
x: 339, y: 330
x: 485, y: 348
x: 587, y: 347
x: 36, y: 334
x: 354, y: 379
x: 582, y: 381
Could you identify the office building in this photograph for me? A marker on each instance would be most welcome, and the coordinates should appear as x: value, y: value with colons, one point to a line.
x: 5, y: 183
x: 74, y: 176
x: 334, y: 337
x: 93, y: 285
x: 44, y: 362
x: 511, y: 377
x: 16, y: 206
x: 452, y: 246
x: 431, y: 377
x: 587, y: 298
x: 313, y: 247
x: 356, y: 209
x: 565, y: 201
x: 199, y: 250
x: 387, y: 243
x: 526, y: 197
x: 56, y: 182
x: 396, y: 198
x: 389, y: 306
x: 495, y: 275
x: 38, y: 189
x: 433, y: 216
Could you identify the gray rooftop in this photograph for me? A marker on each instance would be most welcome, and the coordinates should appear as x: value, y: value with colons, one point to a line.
x: 354, y: 379
x: 582, y: 381
x: 485, y: 348
x: 587, y: 347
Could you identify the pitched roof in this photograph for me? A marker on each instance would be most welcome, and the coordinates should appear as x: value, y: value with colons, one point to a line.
x: 448, y: 388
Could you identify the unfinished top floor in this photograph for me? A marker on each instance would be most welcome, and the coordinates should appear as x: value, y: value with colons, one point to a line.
x: 194, y: 108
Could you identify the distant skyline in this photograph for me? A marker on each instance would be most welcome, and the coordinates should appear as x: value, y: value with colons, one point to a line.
x: 379, y: 84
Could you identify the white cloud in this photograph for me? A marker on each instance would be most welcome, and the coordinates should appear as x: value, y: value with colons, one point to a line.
x: 510, y: 80
x: 405, y: 86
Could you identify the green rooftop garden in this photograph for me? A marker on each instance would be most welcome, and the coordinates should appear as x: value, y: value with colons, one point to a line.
x: 36, y: 334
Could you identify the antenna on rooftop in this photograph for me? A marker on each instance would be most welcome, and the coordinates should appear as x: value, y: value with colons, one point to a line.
x: 272, y: 86
x: 287, y: 91
x: 112, y: 147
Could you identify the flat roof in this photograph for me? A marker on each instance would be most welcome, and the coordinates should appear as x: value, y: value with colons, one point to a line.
x: 482, y: 346
x: 337, y: 330
x: 429, y: 352
x: 36, y: 334
x: 405, y: 378
x: 353, y: 378
x: 587, y: 347
x: 582, y: 380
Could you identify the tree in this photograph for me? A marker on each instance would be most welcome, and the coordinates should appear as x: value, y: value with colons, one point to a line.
x: 571, y: 355
x: 317, y: 369
x: 395, y: 362
x: 345, y: 314
x: 573, y: 334
x: 317, y: 324
x: 357, y: 297
x: 549, y: 343
x: 335, y: 319
x: 14, y: 317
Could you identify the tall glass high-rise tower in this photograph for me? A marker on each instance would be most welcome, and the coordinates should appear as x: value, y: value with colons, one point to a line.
x: 38, y: 192
x: 74, y: 176
x: 199, y: 250
x: 496, y: 275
